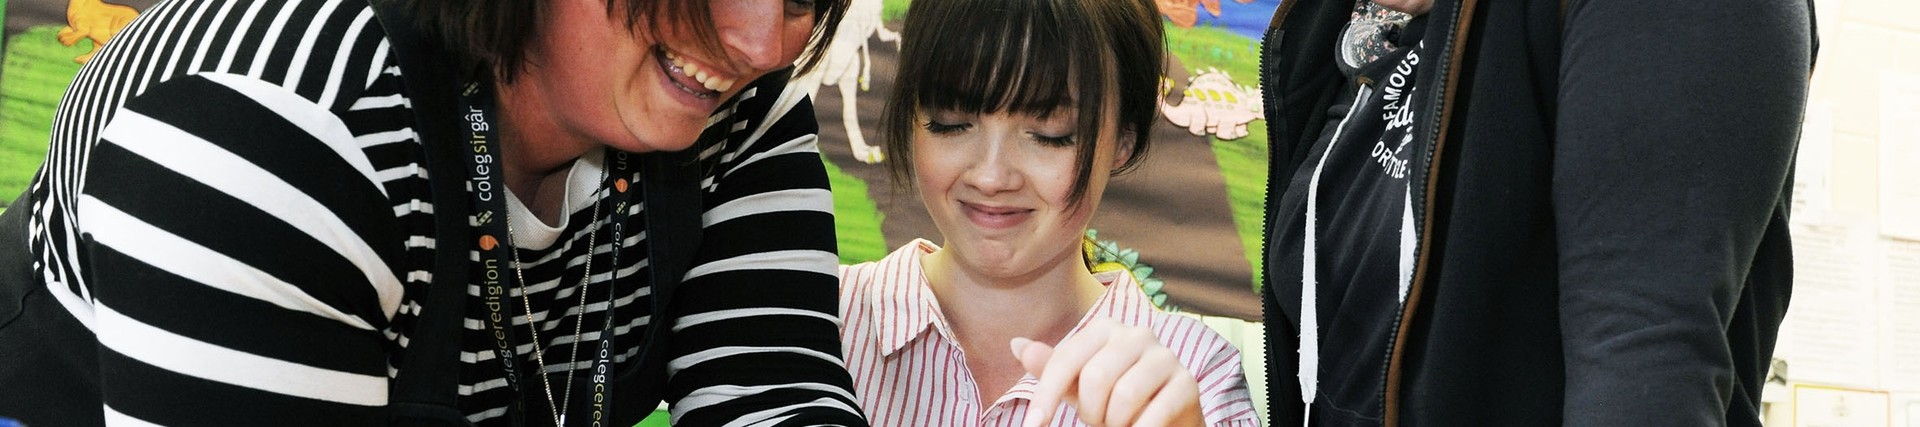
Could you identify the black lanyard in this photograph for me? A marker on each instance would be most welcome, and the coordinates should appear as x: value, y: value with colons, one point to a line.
x: 489, y: 200
x: 603, y: 358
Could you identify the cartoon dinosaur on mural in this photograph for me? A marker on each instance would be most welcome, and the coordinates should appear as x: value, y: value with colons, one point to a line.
x: 1213, y: 104
x: 94, y: 20
x: 847, y: 64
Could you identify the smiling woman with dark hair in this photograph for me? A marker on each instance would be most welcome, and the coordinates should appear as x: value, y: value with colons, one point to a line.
x: 514, y: 212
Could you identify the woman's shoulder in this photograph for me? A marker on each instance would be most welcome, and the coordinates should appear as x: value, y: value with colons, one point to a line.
x: 903, y: 264
x: 1185, y: 335
x: 767, y: 118
x: 853, y: 275
x: 325, y: 51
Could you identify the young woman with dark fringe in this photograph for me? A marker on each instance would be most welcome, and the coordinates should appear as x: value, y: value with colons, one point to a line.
x: 1010, y: 117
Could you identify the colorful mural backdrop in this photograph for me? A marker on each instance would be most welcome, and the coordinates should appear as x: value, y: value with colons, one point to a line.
x: 1188, y: 221
x: 45, y: 42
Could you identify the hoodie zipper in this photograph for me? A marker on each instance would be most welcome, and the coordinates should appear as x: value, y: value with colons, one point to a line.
x: 1273, y: 37
x: 1456, y: 47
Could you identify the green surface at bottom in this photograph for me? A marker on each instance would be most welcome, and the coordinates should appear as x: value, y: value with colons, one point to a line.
x: 658, y: 419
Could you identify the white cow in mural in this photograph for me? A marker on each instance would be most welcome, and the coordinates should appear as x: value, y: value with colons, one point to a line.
x: 848, y: 65
x: 1214, y: 104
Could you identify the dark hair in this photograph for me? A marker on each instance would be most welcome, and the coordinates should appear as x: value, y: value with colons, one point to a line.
x: 492, y: 34
x: 1029, y: 57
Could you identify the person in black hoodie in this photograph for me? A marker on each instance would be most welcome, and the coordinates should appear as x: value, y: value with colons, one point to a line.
x: 1528, y: 212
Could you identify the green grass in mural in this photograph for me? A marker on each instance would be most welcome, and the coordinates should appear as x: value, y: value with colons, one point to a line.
x: 1243, y: 162
x: 37, y: 71
x: 1206, y: 45
x: 856, y: 219
x: 893, y: 10
x: 1243, y: 165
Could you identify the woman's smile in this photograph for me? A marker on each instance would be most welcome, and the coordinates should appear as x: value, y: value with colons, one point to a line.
x: 995, y: 217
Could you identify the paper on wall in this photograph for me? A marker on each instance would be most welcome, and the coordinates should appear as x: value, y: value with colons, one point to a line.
x: 1900, y: 154
x: 1831, y: 333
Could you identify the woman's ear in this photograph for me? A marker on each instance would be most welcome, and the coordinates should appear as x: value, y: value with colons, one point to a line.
x: 1123, y: 149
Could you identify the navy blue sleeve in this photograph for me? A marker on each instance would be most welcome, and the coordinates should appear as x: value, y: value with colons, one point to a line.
x: 1676, y: 134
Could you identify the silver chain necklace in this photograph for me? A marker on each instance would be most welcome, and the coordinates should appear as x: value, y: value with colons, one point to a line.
x: 573, y: 352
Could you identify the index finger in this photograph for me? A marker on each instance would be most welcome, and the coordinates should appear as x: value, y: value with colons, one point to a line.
x: 1033, y: 357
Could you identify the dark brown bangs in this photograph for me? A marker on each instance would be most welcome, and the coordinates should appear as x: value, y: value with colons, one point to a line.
x: 1013, y: 62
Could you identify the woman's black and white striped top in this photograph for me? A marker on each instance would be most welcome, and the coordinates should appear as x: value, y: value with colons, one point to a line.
x: 235, y: 204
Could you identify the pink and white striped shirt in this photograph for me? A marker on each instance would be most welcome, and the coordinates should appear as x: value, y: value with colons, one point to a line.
x: 908, y: 370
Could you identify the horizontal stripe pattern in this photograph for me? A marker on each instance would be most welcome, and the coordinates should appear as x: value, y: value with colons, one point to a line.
x: 209, y: 361
x: 235, y: 202
x: 191, y: 204
x: 908, y: 372
x: 767, y: 254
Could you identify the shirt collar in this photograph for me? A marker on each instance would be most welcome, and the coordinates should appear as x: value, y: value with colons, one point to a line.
x: 906, y: 303
x: 912, y: 310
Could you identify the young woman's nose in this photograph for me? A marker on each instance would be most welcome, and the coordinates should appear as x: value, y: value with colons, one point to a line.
x: 993, y: 170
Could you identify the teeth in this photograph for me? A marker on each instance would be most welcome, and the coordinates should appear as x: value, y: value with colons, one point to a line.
x: 718, y: 84
x: 711, y: 82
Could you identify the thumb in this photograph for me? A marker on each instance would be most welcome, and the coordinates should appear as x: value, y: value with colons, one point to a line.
x: 1032, y: 355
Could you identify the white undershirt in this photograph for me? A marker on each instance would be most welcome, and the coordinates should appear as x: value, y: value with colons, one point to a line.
x: 529, y: 232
